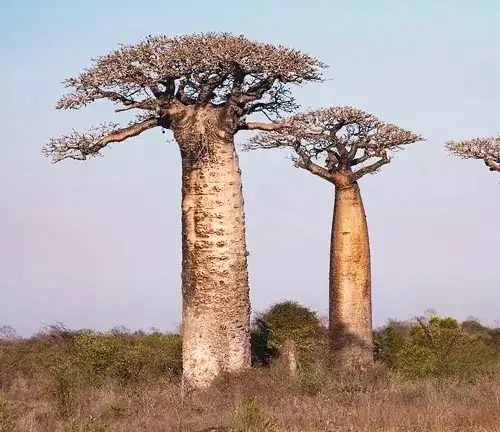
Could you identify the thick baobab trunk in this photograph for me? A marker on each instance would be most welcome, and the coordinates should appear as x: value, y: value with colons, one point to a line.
x: 350, y: 281
x: 215, y: 292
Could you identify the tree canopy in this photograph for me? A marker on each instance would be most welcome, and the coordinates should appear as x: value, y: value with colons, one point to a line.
x: 162, y: 77
x: 487, y: 149
x: 330, y: 142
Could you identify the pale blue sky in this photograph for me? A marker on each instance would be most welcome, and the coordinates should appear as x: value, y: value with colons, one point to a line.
x: 97, y: 244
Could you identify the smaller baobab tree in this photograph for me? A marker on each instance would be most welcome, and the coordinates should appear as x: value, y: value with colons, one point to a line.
x: 341, y: 145
x: 486, y: 149
x: 202, y: 87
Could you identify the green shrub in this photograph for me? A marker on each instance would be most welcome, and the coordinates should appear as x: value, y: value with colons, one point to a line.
x: 64, y: 389
x: 287, y: 321
x: 129, y: 358
x: 91, y: 359
x: 164, y: 354
x: 97, y: 354
x: 440, y: 347
x: 389, y: 341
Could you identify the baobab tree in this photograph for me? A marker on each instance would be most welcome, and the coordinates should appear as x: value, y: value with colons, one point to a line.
x: 202, y: 87
x: 486, y: 149
x: 341, y: 145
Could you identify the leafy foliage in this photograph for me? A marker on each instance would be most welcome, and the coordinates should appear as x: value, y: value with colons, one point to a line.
x: 89, y: 358
x: 438, y: 347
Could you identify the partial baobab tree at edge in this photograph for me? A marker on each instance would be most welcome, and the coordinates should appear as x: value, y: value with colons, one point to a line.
x: 202, y: 87
x: 485, y: 149
x: 341, y: 145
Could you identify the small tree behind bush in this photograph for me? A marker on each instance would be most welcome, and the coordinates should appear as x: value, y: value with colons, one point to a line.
x: 287, y: 322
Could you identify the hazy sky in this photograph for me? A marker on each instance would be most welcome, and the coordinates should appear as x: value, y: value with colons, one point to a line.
x: 97, y: 243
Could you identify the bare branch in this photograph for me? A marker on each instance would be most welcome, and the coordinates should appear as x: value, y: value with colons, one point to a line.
x: 487, y: 149
x: 364, y: 157
x: 207, y: 89
x: 370, y: 169
x: 80, y: 146
x: 184, y: 93
x: 257, y: 90
x: 275, y: 102
x: 148, y: 105
x: 263, y: 126
x: 493, y: 165
x: 304, y: 161
x: 316, y: 170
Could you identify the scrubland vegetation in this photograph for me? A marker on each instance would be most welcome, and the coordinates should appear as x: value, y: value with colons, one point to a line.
x: 432, y: 373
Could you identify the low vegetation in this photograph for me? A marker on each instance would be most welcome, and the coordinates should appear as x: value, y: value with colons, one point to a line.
x: 432, y: 373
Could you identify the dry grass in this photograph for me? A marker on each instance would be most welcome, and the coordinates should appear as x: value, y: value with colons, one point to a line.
x: 260, y: 400
x: 443, y: 377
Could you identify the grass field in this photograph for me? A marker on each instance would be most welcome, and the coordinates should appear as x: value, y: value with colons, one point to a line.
x: 436, y: 375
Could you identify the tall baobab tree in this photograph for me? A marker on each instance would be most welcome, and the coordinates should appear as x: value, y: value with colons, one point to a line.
x: 341, y: 145
x: 487, y: 149
x: 202, y: 87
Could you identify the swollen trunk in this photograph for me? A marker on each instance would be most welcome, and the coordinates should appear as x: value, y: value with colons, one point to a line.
x: 350, y: 281
x: 215, y: 293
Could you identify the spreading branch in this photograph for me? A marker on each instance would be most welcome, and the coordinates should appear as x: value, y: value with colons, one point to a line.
x: 348, y: 142
x: 486, y: 149
x: 80, y: 146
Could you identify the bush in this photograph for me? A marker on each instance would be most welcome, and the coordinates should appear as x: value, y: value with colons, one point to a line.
x: 70, y: 360
x: 97, y: 354
x: 164, y: 354
x: 437, y: 347
x: 389, y: 341
x: 287, y: 321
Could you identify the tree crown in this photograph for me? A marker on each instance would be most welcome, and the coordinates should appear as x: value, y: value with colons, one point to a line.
x: 487, y: 149
x: 163, y: 76
x: 339, y: 139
